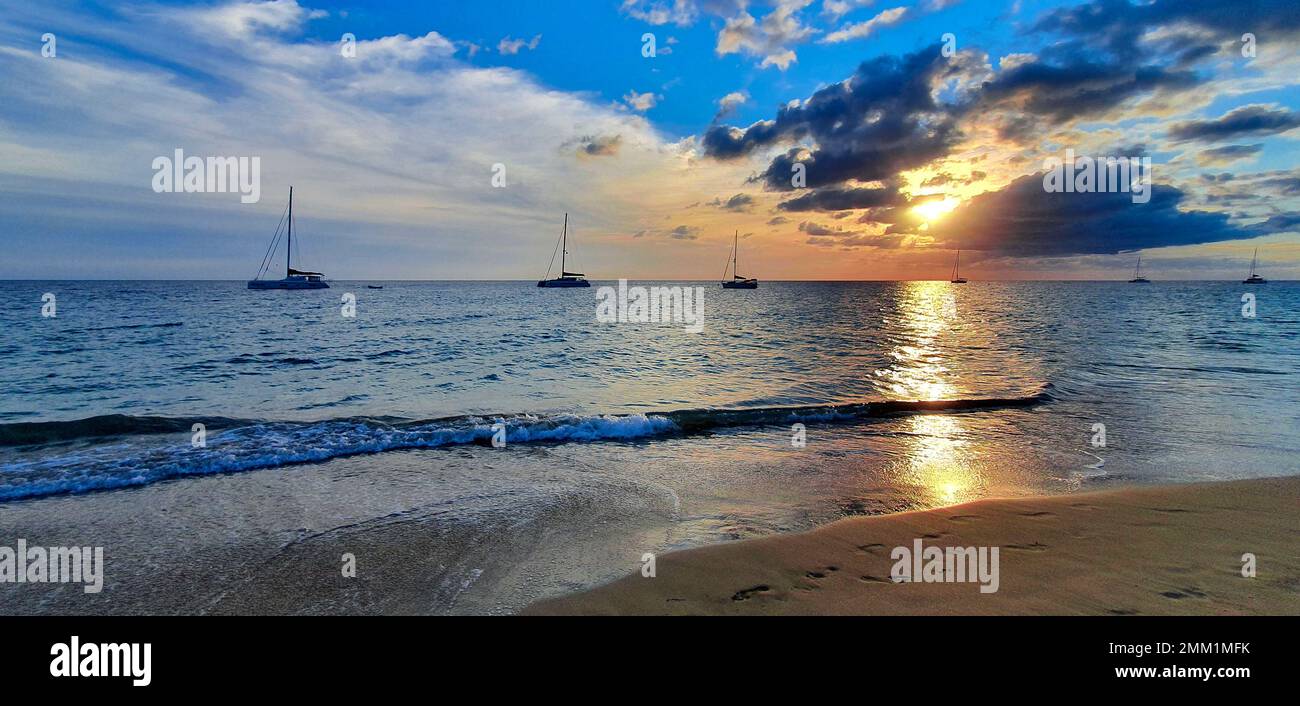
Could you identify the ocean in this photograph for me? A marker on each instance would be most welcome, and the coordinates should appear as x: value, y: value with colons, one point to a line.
x: 226, y: 446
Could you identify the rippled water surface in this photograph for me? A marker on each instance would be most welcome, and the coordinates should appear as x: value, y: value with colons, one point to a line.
x: 911, y: 394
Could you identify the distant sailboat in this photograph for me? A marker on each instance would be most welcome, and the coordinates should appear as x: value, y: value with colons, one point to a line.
x: 566, y: 279
x: 736, y: 281
x: 1137, y: 274
x: 956, y: 271
x: 293, y: 279
x: 1254, y: 278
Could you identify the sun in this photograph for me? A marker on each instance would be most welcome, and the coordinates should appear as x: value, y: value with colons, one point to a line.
x: 934, y: 210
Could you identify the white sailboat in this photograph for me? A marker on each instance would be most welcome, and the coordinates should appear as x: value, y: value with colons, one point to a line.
x: 736, y: 281
x: 566, y: 279
x: 293, y: 279
x: 1254, y: 278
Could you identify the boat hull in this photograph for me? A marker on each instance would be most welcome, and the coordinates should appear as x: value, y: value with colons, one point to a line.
x: 285, y: 284
x: 1254, y: 281
x: 1140, y: 280
x: 553, y: 283
x: 746, y: 284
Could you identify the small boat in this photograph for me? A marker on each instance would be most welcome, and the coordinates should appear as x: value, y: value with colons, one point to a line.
x: 566, y: 279
x: 1137, y: 274
x: 374, y: 286
x: 293, y: 279
x: 1254, y: 278
x: 736, y: 281
x: 956, y: 271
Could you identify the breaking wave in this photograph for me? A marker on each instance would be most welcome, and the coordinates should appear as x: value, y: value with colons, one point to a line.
x: 142, y: 453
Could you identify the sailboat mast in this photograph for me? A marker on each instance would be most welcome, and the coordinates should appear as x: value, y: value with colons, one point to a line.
x: 735, y: 255
x: 289, y: 248
x: 564, y: 243
x: 1254, y: 260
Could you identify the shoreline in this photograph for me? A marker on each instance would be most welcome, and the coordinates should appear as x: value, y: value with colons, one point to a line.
x: 1138, y: 550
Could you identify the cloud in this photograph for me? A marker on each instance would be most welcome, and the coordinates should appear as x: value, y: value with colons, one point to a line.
x: 684, y: 232
x: 1024, y: 220
x: 598, y: 146
x: 769, y: 37
x: 739, y: 202
x: 508, y: 46
x: 817, y: 229
x: 392, y: 154
x: 1246, y: 121
x: 881, y: 121
x: 729, y: 103
x: 660, y: 12
x: 238, y: 19
x: 835, y: 236
x: 640, y: 102
x: 1220, y: 156
x: 840, y: 199
x: 862, y: 30
x: 1077, y: 89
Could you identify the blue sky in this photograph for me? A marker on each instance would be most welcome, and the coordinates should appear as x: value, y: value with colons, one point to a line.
x: 911, y: 153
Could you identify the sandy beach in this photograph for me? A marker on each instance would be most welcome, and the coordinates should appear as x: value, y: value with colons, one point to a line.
x: 1162, y: 550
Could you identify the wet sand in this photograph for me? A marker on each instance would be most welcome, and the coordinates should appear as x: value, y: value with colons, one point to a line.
x: 1158, y: 550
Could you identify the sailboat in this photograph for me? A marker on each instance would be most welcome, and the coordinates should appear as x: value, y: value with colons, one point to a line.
x: 1137, y: 274
x: 1254, y: 278
x: 736, y: 281
x: 293, y: 279
x: 566, y: 279
x: 956, y: 271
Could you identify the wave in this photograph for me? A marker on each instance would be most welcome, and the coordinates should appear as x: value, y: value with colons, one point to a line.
x: 149, y: 456
x: 33, y: 433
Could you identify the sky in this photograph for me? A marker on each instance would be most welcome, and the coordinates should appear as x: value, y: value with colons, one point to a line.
x: 452, y: 138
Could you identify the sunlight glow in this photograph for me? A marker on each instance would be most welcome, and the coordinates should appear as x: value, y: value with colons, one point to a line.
x: 933, y: 210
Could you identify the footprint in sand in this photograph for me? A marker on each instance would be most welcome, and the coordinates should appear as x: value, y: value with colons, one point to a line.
x: 1031, y: 547
x: 1040, y: 513
x: 746, y: 594
x: 965, y: 518
x: 1183, y: 593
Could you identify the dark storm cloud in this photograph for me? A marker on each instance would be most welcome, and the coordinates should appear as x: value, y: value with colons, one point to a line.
x: 1119, y: 23
x: 1248, y: 120
x: 840, y: 199
x: 880, y: 121
x: 855, y: 138
x: 1064, y: 92
x: 1023, y: 220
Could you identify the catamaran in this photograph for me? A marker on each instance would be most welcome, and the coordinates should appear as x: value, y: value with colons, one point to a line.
x: 1254, y: 278
x: 956, y: 271
x: 736, y: 281
x: 293, y: 279
x: 566, y: 279
x: 1137, y: 274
